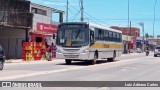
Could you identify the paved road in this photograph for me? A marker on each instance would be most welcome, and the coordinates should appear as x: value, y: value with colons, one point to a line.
x: 13, y: 70
x: 135, y: 67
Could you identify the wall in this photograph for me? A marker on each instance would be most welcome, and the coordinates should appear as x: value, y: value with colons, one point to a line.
x: 41, y: 18
x: 11, y: 40
x: 132, y: 32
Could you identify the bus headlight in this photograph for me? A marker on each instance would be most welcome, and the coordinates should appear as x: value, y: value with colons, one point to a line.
x: 58, y: 51
x: 85, y: 51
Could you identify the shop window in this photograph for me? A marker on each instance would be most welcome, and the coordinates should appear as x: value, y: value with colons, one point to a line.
x: 39, y: 11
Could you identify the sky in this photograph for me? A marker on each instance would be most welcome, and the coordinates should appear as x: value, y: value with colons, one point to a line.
x: 112, y: 12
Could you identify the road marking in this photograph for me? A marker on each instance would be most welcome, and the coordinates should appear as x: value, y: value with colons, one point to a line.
x: 40, y: 73
x: 68, y: 69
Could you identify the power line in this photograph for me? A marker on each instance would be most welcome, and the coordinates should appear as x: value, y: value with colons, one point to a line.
x: 134, y: 19
x: 54, y: 1
x: 95, y: 18
x: 76, y: 16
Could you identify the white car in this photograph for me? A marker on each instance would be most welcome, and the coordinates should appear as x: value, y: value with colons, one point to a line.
x: 2, y: 58
x: 157, y: 51
x: 139, y: 50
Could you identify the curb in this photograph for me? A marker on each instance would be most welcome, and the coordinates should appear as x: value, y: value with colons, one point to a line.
x: 10, y: 61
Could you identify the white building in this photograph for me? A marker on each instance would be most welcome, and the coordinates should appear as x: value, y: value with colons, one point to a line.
x: 44, y: 25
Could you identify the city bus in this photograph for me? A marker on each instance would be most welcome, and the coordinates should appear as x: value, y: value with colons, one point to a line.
x: 78, y: 41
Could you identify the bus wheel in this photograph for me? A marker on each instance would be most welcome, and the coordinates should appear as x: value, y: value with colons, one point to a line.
x: 113, y: 58
x: 68, y: 61
x: 94, y: 60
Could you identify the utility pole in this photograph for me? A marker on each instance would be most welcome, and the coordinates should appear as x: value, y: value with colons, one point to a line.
x: 82, y: 11
x: 128, y: 25
x: 142, y: 25
x: 130, y: 32
x: 67, y: 11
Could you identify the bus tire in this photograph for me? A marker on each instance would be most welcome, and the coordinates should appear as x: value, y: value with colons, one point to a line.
x: 68, y: 61
x: 94, y: 59
x: 113, y: 58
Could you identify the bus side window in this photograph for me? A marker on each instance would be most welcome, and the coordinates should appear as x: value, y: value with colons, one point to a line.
x: 118, y: 37
x: 96, y: 34
x: 92, y: 37
x: 110, y: 36
x: 106, y: 36
x: 101, y: 34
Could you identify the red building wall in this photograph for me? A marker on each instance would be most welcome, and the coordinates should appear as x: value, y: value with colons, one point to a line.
x: 132, y: 31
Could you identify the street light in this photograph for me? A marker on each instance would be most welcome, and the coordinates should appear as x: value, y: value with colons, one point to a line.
x: 154, y: 16
x: 128, y: 25
x: 67, y: 11
x: 142, y: 24
x: 128, y: 21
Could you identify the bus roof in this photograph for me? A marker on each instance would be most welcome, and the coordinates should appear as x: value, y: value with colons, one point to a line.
x: 94, y: 25
x: 74, y: 23
x: 103, y: 27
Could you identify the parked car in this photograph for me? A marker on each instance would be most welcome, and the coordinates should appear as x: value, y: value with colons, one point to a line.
x: 157, y: 51
x: 2, y: 58
x: 139, y: 50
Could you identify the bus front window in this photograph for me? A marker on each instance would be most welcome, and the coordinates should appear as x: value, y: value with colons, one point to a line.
x: 73, y: 37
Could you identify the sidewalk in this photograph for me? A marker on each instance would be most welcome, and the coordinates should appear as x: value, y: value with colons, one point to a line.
x: 10, y: 61
x: 135, y: 53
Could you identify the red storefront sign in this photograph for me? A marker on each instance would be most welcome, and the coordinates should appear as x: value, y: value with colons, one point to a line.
x: 46, y: 27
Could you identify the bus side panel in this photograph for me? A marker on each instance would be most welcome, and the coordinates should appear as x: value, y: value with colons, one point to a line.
x: 105, y: 50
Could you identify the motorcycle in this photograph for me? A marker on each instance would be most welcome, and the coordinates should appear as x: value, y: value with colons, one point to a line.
x: 147, y: 52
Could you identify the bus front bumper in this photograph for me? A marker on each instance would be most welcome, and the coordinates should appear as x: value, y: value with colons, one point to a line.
x: 82, y: 56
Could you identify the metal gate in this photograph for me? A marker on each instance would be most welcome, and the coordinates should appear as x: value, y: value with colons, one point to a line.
x: 12, y: 47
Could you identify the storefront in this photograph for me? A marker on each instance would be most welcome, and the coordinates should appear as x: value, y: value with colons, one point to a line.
x: 139, y: 44
x: 44, y: 33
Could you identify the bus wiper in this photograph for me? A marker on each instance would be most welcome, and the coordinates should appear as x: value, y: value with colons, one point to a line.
x: 78, y: 33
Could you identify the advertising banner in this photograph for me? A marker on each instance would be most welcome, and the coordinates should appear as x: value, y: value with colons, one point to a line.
x: 48, y: 28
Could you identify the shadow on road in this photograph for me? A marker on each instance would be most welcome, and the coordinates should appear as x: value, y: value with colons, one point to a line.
x: 86, y: 63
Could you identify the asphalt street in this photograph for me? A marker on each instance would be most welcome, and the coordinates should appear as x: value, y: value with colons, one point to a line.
x: 130, y: 67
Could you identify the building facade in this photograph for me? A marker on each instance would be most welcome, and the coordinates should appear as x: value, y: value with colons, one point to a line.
x: 21, y: 20
x: 44, y: 25
x: 15, y: 22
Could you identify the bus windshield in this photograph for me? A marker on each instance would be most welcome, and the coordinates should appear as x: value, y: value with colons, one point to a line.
x: 73, y: 37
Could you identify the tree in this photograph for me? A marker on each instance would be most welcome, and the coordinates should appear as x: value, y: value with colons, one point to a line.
x: 146, y: 35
